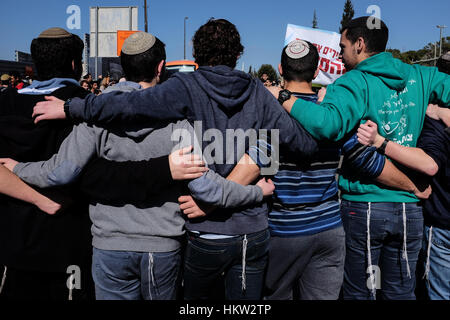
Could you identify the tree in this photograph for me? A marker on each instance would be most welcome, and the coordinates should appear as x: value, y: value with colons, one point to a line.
x: 269, y: 70
x: 314, y: 22
x: 348, y: 14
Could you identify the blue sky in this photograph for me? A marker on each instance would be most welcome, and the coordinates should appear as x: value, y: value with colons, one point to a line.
x: 262, y: 23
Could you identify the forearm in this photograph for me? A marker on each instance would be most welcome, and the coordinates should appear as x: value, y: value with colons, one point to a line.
x: 245, y: 172
x: 392, y: 177
x: 414, y: 158
x: 444, y: 115
x: 12, y: 186
x: 129, y: 181
x: 165, y: 101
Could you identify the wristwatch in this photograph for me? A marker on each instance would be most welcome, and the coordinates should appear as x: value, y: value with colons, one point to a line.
x: 284, y: 95
x: 382, y: 148
x: 66, y: 108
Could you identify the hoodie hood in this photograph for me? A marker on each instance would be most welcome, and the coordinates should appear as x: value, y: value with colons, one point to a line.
x: 392, y: 72
x: 130, y: 130
x: 48, y: 86
x: 228, y: 87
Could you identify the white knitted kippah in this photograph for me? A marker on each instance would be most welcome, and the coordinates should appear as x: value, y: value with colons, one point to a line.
x: 297, y: 49
x: 138, y: 42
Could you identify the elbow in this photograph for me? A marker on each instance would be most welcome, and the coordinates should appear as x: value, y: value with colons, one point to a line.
x: 431, y: 169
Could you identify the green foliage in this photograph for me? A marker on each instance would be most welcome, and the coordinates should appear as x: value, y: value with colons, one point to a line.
x: 426, y: 53
x: 269, y: 70
x: 348, y: 14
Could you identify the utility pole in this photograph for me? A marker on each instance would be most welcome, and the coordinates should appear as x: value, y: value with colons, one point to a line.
x: 185, y: 18
x: 440, y: 38
x: 145, y: 11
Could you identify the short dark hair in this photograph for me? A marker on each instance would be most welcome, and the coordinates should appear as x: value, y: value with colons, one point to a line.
x: 375, y: 38
x: 142, y: 66
x: 53, y: 57
x: 302, y: 69
x: 443, y: 63
x: 217, y: 42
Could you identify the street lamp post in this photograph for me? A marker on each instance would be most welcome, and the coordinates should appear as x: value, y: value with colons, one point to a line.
x: 440, y: 38
x: 145, y: 15
x: 185, y: 18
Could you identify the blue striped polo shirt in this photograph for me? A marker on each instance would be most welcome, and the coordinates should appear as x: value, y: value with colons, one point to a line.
x: 305, y: 199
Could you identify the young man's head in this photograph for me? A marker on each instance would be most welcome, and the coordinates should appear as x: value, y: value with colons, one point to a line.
x: 15, y: 78
x: 299, y: 61
x: 217, y: 42
x: 443, y: 63
x: 143, y: 58
x: 5, y: 79
x: 57, y: 53
x: 362, y: 38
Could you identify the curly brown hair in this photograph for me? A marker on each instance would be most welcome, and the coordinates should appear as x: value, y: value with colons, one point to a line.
x: 217, y: 42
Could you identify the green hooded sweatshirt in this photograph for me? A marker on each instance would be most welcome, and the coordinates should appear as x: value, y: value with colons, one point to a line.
x: 387, y: 91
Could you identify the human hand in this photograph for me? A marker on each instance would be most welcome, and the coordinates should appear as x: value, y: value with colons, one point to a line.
x: 274, y: 90
x: 425, y: 194
x: 267, y: 186
x: 185, y: 165
x: 433, y: 111
x: 321, y: 94
x: 190, y: 207
x: 47, y: 205
x: 368, y: 134
x: 8, y: 163
x: 52, y: 108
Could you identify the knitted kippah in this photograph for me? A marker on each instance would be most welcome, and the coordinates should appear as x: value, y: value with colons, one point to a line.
x: 138, y: 42
x: 297, y: 49
x: 54, y: 33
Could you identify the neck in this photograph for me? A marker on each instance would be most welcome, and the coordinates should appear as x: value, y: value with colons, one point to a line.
x: 146, y: 85
x: 298, y: 86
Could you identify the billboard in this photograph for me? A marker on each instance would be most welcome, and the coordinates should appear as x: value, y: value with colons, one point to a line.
x: 327, y: 44
x: 104, y: 24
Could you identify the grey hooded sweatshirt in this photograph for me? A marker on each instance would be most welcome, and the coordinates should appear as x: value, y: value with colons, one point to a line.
x: 155, y: 226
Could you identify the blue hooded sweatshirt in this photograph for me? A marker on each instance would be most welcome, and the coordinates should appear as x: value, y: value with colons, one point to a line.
x: 222, y: 99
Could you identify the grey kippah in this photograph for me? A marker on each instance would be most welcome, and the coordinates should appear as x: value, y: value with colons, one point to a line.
x: 138, y: 42
x: 297, y: 49
x: 54, y: 33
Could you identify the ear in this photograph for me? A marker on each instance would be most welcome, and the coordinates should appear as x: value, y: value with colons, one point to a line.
x: 360, y: 45
x: 280, y: 69
x: 316, y: 73
x: 73, y: 65
x: 161, y: 66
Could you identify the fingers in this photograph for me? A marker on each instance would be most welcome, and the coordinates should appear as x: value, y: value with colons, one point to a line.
x: 184, y: 198
x: 185, y: 150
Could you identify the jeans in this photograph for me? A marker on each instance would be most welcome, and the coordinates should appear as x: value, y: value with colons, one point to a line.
x: 307, y: 267
x: 232, y: 263
x: 438, y: 278
x: 393, y: 267
x: 127, y: 275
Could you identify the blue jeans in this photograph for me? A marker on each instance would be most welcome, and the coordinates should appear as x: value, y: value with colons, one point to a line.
x: 127, y: 275
x: 393, y: 271
x: 438, y: 280
x: 213, y: 264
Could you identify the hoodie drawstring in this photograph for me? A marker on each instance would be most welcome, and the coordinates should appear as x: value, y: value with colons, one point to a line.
x: 369, y: 255
x: 427, y: 266
x: 3, y: 279
x: 405, y: 252
x: 151, y: 276
x: 70, y: 282
x: 244, y: 255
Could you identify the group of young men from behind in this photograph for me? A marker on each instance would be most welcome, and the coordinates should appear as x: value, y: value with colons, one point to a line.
x: 122, y: 159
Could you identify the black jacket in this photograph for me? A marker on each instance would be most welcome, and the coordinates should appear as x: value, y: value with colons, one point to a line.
x: 29, y: 238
